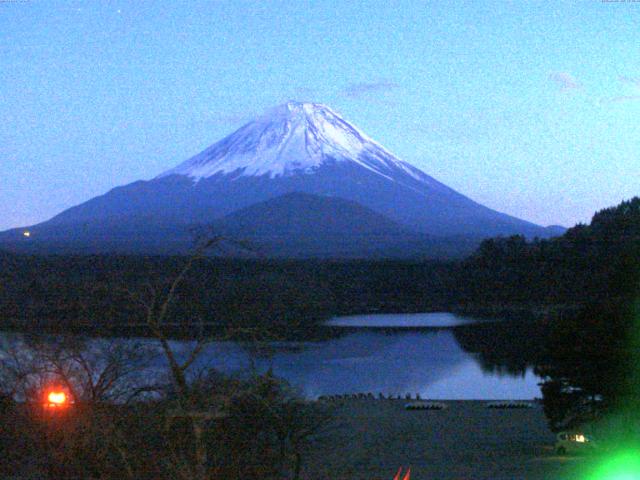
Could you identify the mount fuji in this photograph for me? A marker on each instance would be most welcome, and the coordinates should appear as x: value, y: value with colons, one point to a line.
x: 298, y: 175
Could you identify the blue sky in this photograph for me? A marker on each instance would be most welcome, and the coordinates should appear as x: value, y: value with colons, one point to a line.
x: 532, y: 108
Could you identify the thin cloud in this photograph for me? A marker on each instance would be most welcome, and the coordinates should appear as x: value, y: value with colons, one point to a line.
x: 304, y: 94
x: 632, y: 80
x: 363, y: 89
x: 565, y: 81
x: 633, y: 97
x: 233, y: 119
x: 625, y: 98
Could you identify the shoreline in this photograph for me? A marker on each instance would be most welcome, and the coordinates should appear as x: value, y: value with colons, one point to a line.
x: 316, y: 330
x: 372, y: 439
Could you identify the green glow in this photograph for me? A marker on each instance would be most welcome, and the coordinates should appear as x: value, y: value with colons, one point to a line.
x: 619, y: 466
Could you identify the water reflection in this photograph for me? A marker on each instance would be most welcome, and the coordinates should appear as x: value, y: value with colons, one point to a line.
x: 510, y: 347
x: 430, y: 363
x: 464, y: 362
x: 403, y: 320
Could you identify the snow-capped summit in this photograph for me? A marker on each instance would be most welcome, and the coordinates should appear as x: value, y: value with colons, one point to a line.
x: 290, y: 139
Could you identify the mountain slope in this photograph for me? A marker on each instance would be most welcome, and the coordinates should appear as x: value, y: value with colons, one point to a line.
x: 304, y: 215
x: 296, y: 147
x: 305, y: 225
x: 294, y: 225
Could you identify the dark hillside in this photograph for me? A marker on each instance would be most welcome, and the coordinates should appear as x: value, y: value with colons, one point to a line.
x: 588, y: 358
x: 586, y: 265
x: 106, y: 292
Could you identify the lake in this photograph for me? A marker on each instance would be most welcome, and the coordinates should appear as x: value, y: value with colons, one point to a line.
x: 402, y: 320
x: 390, y: 354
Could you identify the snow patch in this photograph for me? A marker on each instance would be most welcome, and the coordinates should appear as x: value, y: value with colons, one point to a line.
x: 291, y: 139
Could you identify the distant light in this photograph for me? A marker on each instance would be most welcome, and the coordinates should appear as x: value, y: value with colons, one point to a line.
x: 26, y: 233
x: 56, y: 399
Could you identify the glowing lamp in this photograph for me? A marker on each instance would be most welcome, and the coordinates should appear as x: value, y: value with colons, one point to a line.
x: 407, y: 475
x: 56, y: 399
x: 27, y: 234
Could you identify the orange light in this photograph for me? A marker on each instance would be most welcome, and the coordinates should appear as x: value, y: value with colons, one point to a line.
x: 56, y: 399
x: 407, y: 475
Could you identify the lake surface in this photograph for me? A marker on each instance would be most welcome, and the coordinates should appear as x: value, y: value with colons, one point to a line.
x: 402, y: 320
x: 425, y: 359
